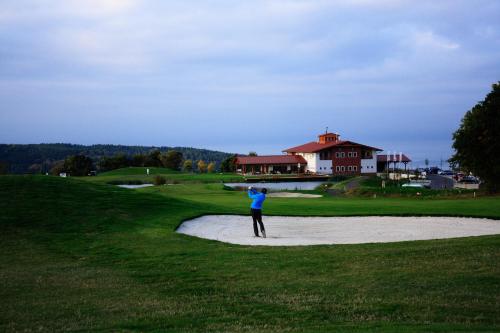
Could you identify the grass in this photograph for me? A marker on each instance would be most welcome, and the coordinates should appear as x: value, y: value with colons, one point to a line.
x: 137, y: 175
x: 138, y: 171
x: 86, y: 256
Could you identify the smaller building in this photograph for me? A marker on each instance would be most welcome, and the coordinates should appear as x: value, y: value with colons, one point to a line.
x: 273, y: 164
x: 391, y: 161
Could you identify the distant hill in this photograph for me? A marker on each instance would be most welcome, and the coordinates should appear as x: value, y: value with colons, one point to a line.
x: 19, y: 158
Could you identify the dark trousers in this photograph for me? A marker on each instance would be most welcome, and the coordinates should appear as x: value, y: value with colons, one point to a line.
x: 257, y: 217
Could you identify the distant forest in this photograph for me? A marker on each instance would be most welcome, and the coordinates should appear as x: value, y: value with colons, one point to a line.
x: 36, y: 158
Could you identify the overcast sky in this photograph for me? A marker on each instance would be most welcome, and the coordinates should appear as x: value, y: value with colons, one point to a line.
x: 245, y: 75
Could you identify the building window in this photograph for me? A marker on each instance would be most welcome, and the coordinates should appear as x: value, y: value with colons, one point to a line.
x: 337, y: 168
x: 342, y: 168
x: 354, y: 168
x: 325, y: 155
x: 349, y: 168
x: 354, y: 154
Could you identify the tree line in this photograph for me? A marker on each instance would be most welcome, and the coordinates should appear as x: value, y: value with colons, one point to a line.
x: 81, y: 165
x: 42, y: 158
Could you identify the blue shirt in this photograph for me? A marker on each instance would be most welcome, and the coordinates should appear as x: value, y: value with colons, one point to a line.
x: 258, y: 199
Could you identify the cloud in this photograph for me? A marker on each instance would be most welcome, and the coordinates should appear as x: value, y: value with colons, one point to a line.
x: 429, y: 40
x: 355, y: 65
x: 29, y: 10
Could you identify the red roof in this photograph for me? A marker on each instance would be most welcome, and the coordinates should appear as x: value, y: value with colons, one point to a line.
x: 315, y: 146
x: 271, y: 159
x: 392, y: 158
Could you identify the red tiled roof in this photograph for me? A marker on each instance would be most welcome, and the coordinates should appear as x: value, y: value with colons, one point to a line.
x: 271, y: 159
x: 314, y: 146
x: 383, y: 158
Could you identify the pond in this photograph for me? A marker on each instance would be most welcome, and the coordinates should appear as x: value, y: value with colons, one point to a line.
x: 135, y: 186
x: 289, y: 186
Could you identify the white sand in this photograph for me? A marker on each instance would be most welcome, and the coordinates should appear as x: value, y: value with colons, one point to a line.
x: 292, y: 195
x: 287, y: 230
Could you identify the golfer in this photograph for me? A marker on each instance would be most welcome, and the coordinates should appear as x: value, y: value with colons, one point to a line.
x: 256, y: 209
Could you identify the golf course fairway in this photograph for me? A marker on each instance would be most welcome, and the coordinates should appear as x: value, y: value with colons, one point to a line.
x: 83, y: 255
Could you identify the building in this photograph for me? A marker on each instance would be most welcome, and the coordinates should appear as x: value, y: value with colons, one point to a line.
x: 277, y: 164
x: 391, y: 161
x: 329, y: 156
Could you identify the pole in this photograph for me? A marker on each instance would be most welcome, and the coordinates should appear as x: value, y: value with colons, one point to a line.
x: 387, y: 162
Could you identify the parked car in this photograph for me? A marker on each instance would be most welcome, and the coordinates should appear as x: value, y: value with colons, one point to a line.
x: 446, y: 173
x: 433, y: 170
x: 469, y: 180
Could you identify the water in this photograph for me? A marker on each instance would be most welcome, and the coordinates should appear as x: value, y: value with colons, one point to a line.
x: 135, y: 186
x: 278, y: 186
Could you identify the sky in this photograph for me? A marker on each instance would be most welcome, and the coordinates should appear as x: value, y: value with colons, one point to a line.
x: 240, y: 76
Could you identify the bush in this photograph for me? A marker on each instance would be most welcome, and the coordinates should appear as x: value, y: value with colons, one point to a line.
x: 159, y: 180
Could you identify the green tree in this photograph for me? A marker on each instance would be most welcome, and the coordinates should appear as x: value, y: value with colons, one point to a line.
x: 172, y: 160
x: 154, y: 159
x: 477, y: 141
x: 252, y: 153
x: 202, y: 166
x: 138, y: 160
x: 229, y: 164
x: 57, y: 168
x: 78, y: 165
x: 188, y: 165
x: 114, y: 162
x: 4, y: 168
x: 211, y: 167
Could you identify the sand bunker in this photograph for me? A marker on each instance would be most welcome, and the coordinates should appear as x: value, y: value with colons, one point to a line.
x: 292, y: 195
x: 287, y: 230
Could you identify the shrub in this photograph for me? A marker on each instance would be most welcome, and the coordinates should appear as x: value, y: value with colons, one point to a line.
x: 159, y: 180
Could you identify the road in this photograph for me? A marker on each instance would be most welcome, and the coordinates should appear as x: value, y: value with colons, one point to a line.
x: 439, y: 182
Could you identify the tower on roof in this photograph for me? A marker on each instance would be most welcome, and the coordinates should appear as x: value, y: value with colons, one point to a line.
x: 328, y: 137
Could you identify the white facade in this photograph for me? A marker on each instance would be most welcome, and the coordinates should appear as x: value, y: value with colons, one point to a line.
x: 369, y: 165
x: 315, y: 164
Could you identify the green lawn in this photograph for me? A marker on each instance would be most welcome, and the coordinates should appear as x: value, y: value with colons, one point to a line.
x: 83, y: 255
x: 137, y: 175
x: 138, y: 171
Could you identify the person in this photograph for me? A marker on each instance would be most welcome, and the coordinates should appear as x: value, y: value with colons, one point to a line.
x: 256, y: 209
